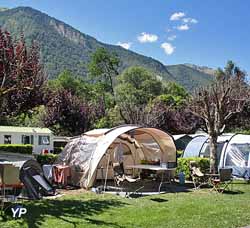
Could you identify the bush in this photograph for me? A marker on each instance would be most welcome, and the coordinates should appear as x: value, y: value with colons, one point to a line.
x: 46, y: 159
x: 179, y: 153
x: 16, y: 148
x: 183, y: 165
x: 57, y: 150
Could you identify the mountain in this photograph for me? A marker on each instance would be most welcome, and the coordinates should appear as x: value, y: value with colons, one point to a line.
x: 63, y: 47
x: 3, y: 9
x: 202, y: 69
x: 191, y: 78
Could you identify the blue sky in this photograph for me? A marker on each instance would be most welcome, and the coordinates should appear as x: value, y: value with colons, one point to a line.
x: 173, y: 31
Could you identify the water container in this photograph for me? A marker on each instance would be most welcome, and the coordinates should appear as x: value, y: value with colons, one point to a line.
x: 181, y: 178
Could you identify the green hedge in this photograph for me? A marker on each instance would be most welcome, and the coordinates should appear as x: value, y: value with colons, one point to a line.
x: 46, y: 159
x: 183, y: 165
x: 16, y: 148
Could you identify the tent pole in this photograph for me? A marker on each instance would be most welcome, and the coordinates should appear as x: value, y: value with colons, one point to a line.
x: 106, y: 176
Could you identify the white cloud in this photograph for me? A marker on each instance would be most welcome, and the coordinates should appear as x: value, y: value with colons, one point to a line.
x: 125, y: 45
x: 183, y: 27
x: 177, y: 16
x: 168, y: 48
x: 171, y: 38
x: 147, y: 37
x: 190, y: 20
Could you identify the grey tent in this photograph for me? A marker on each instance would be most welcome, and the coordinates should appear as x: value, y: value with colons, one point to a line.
x: 233, y: 151
x: 181, y: 141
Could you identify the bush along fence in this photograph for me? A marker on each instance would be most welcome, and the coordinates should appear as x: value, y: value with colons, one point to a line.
x: 183, y: 165
x: 16, y: 148
x: 46, y: 159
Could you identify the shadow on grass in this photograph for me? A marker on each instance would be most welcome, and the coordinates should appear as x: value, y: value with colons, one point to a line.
x: 233, y: 192
x: 68, y: 211
x: 159, y: 200
x: 101, y: 223
x: 175, y: 188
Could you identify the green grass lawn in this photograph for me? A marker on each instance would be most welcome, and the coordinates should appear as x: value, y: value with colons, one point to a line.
x: 200, y: 209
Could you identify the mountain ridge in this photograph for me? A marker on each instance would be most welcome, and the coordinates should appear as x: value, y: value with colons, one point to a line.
x: 203, y: 69
x: 64, y: 47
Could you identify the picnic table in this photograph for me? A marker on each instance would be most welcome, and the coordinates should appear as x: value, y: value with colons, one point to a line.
x: 163, y: 170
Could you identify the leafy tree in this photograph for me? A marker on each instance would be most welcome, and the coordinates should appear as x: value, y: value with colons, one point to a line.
x: 137, y: 85
x: 68, y: 114
x: 34, y: 118
x: 103, y: 68
x: 177, y: 92
x: 145, y: 100
x: 218, y: 103
x: 240, y: 122
x: 21, y: 76
x: 67, y: 81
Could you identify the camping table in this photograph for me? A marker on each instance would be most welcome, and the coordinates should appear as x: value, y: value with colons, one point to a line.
x: 155, y: 168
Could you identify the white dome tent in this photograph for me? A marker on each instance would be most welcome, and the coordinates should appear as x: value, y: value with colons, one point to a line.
x: 195, y: 146
x: 91, y: 154
x: 233, y: 151
x: 236, y: 155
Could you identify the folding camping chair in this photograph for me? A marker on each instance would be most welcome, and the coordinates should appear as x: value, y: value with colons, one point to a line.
x: 199, y: 178
x: 224, y: 181
x: 119, y: 174
x: 120, y: 178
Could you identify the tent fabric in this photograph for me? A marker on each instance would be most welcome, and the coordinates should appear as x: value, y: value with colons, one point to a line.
x: 94, y: 150
x: 199, y: 145
x: 233, y: 151
x: 195, y: 146
x: 35, y: 183
x: 181, y: 141
x: 236, y: 155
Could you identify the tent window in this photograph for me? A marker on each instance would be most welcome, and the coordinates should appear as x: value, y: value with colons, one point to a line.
x: 194, y: 147
x: 27, y: 139
x: 206, y: 152
x: 43, y: 140
x: 7, y: 139
x: 238, y: 155
x: 151, y: 150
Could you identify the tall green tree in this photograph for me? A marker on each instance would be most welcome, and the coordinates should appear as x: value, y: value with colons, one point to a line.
x: 103, y: 68
x: 67, y: 81
x: 138, y: 85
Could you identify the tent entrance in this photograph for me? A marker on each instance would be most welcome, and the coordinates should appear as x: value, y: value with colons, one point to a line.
x: 238, y: 157
x: 119, y: 151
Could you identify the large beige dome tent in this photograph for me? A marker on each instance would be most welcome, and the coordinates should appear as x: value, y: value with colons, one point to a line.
x: 90, y: 155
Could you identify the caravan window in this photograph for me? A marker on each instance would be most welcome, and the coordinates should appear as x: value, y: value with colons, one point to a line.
x: 7, y: 139
x: 44, y: 140
x: 27, y: 139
